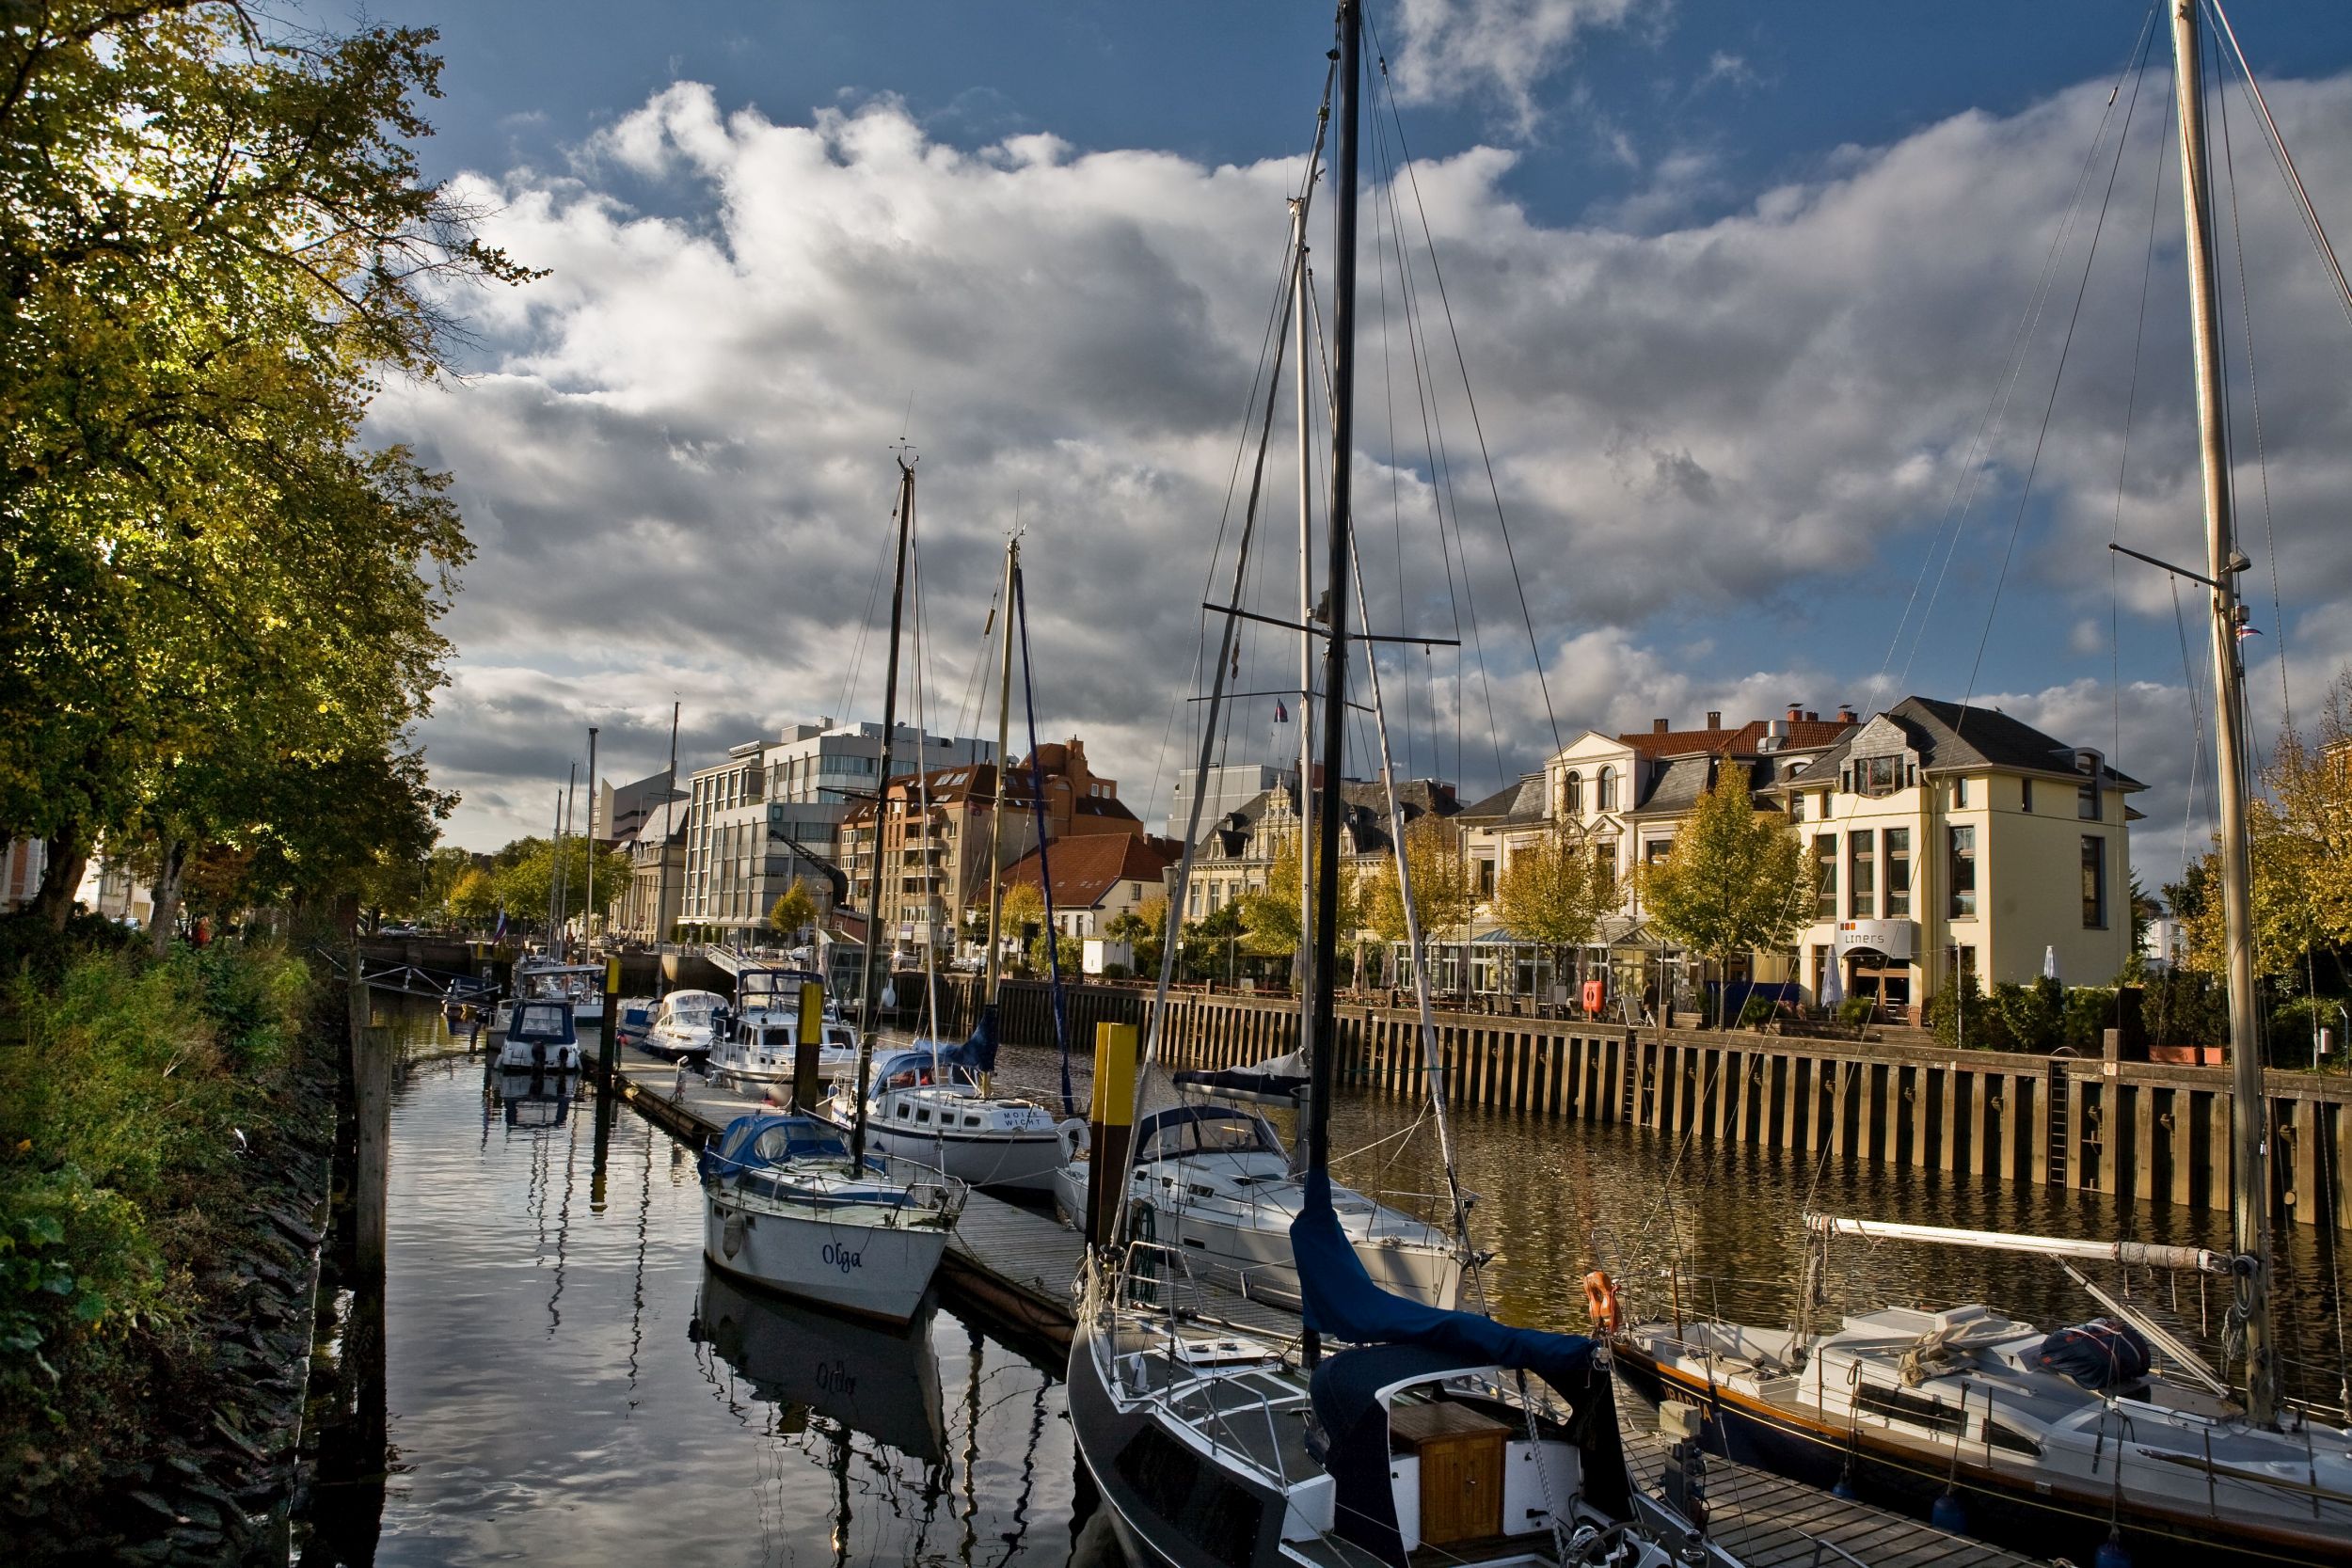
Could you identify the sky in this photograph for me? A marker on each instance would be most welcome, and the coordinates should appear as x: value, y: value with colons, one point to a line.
x: 1748, y: 324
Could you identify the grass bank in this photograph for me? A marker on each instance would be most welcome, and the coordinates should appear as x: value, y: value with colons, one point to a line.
x: 130, y: 1088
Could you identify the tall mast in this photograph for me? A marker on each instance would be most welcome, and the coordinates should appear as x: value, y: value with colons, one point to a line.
x: 589, y: 912
x: 562, y: 888
x: 2251, y: 1192
x: 996, y: 809
x: 868, y: 995
x: 1306, y: 616
x: 1335, y: 627
x: 661, y: 849
x: 555, y: 868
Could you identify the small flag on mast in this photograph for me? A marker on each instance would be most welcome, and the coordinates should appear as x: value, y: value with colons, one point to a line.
x: 1281, y: 714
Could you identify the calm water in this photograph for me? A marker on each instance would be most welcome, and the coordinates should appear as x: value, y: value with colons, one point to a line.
x: 567, y: 1384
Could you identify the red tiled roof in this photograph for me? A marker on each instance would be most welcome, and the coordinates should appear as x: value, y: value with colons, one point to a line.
x: 1745, y: 741
x: 1087, y: 867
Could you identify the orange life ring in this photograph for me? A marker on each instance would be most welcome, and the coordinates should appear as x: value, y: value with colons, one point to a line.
x: 1601, y: 1302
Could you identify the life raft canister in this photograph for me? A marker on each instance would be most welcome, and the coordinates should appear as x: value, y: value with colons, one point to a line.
x: 1601, y: 1302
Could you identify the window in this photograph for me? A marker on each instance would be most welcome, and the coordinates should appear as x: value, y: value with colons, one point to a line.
x: 1608, y: 790
x: 1572, y: 795
x: 1960, y: 792
x: 1825, y: 876
x: 2088, y: 802
x: 1657, y: 849
x: 1605, y: 862
x: 2025, y: 794
x: 1862, y: 875
x: 2094, y: 883
x: 1486, y: 878
x: 1963, y: 840
x: 1796, y: 806
x: 1898, y: 873
x: 1876, y: 776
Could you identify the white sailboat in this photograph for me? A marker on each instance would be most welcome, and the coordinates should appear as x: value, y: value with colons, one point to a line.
x: 935, y: 1102
x: 2104, y: 1436
x: 793, y: 1204
x: 1437, y: 1436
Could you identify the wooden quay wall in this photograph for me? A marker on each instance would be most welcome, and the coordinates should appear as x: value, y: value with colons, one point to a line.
x: 2143, y: 1130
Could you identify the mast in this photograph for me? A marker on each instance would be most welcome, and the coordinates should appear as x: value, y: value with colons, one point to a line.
x: 869, y: 996
x: 2250, y: 1197
x: 1335, y: 627
x: 996, y: 810
x: 555, y: 867
x: 562, y: 881
x: 589, y: 914
x: 662, y: 850
x: 1306, y: 615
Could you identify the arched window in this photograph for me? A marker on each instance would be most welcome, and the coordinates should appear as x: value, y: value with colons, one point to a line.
x: 1572, y: 795
x: 1607, y: 790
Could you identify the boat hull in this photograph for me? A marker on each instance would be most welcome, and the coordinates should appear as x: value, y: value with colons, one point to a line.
x: 1262, y: 1256
x: 2007, y: 1509
x: 879, y: 1272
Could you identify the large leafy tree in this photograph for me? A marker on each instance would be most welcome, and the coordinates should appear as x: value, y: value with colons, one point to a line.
x: 1734, y: 881
x: 1270, y: 915
x: 1554, y: 893
x: 1443, y: 894
x: 212, y: 237
x: 525, y: 879
x: 793, y: 913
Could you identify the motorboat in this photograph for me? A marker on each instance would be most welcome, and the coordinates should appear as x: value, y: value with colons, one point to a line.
x: 685, y: 1024
x: 634, y: 1019
x: 540, y: 1037
x: 786, y: 1210
x: 1216, y: 1181
x: 882, y: 1383
x: 759, y: 1043
x: 2045, y: 1441
x: 549, y: 979
x: 929, y: 1104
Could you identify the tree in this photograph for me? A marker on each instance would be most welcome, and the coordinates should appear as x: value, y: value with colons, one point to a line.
x: 212, y: 238
x: 1205, y: 945
x: 793, y: 913
x: 526, y: 882
x: 1555, y: 894
x: 1021, y: 909
x: 1734, y: 881
x: 1141, y: 928
x: 1270, y: 915
x: 474, y: 899
x: 1443, y: 896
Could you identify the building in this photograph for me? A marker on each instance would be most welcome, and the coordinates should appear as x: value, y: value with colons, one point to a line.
x: 1096, y: 877
x: 22, y: 862
x: 1228, y: 789
x: 617, y: 812
x: 656, y: 844
x: 935, y: 833
x: 770, y: 816
x: 1238, y: 851
x: 1958, y: 841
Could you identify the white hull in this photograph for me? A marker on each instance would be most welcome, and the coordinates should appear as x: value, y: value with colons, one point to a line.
x: 516, y: 1056
x: 1025, y: 1161
x: 761, y: 1072
x: 877, y: 1270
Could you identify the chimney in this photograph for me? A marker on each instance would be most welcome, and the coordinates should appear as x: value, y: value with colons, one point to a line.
x: 1795, y: 713
x: 1714, y: 719
x: 1657, y: 726
x: 1846, y: 714
x: 1811, y: 717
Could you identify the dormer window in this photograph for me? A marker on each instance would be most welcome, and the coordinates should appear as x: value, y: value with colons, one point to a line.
x: 1572, y: 795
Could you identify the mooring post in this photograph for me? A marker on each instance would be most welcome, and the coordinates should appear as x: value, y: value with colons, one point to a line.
x: 1110, y: 1125
x: 806, y: 1041
x: 372, y: 1100
x: 608, y: 1040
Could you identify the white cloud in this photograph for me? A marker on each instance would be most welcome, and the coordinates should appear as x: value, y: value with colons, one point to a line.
x: 674, y: 457
x: 1495, y: 51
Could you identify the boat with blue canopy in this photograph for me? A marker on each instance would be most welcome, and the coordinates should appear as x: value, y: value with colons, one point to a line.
x: 930, y: 1102
x: 540, y: 1037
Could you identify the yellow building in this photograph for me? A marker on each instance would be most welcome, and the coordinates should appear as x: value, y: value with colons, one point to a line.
x: 1953, y: 840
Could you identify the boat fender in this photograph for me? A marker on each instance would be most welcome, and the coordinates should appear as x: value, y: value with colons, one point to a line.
x: 1601, y: 1302
x: 1948, y: 1513
x: 2112, y: 1553
x: 1077, y: 1139
x: 731, y: 1235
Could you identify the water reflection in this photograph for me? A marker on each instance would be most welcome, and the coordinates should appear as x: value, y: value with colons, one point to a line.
x: 563, y: 1383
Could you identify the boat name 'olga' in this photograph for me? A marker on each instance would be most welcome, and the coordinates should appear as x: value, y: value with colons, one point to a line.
x: 842, y: 1258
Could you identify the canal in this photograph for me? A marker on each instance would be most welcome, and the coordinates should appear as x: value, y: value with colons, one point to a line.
x: 564, y: 1382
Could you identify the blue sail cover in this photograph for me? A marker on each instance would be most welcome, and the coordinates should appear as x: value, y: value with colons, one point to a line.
x: 980, y: 1052
x: 1341, y: 1301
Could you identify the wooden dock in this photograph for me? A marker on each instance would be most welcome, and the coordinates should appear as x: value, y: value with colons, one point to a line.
x: 1767, y: 1521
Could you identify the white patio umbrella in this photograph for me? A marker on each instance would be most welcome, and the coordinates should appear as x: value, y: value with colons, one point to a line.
x: 2049, y: 963
x: 1833, y: 983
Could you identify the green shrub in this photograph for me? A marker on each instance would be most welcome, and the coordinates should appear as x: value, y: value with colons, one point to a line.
x: 1756, y: 1012
x: 2181, y: 1008
x: 1963, y: 1016
x: 2089, y: 1013
x: 1855, y: 1011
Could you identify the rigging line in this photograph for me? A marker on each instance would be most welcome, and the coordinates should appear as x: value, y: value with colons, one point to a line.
x: 1996, y: 416
x: 2197, y: 724
x: 858, y: 640
x: 2254, y: 395
x: 2058, y: 379
x: 1469, y: 399
x: 2124, y: 463
x: 2285, y: 161
x: 1380, y: 242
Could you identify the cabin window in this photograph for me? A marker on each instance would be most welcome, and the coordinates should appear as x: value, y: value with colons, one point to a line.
x: 923, y: 1116
x: 971, y: 1121
x: 1999, y: 1436
x: 1895, y: 1404
x: 903, y: 1113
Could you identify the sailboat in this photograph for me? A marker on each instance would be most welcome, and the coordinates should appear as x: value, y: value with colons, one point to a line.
x: 1434, y: 1430
x: 790, y: 1202
x: 933, y: 1102
x: 2106, y: 1435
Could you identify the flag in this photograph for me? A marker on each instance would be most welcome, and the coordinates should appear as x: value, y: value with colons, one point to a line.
x: 2245, y: 632
x: 500, y: 935
x: 1281, y: 714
